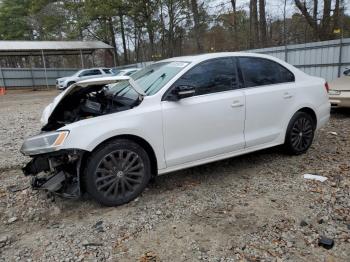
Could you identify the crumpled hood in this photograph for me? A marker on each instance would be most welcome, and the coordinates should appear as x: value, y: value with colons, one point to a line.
x: 85, y: 83
x: 50, y: 107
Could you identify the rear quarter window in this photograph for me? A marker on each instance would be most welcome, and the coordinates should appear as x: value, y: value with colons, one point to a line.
x: 260, y: 71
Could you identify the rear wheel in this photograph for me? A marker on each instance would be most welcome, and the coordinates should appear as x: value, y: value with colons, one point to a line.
x: 117, y: 172
x: 300, y: 133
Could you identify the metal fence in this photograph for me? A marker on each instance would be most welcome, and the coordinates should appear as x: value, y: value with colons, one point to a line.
x: 36, y: 77
x: 327, y: 59
x: 40, y: 77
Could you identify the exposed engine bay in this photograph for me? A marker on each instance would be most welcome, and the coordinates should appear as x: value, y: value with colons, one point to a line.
x: 87, y: 102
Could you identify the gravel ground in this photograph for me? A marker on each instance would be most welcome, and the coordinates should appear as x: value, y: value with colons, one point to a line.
x: 256, y: 207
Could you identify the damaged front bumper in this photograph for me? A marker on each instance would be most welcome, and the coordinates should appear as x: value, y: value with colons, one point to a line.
x: 57, y: 172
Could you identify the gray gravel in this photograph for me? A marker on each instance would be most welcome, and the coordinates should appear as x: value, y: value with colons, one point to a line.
x: 255, y: 207
x: 20, y: 112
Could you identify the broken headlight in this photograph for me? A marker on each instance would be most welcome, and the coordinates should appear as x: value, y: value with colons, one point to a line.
x: 44, y: 143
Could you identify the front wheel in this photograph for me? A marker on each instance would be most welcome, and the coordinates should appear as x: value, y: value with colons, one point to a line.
x: 69, y: 84
x: 300, y: 133
x: 117, y: 172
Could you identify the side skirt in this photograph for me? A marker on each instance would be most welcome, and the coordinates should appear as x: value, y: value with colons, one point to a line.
x: 217, y: 158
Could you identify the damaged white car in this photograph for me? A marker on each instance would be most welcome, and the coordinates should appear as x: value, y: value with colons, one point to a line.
x: 108, y: 137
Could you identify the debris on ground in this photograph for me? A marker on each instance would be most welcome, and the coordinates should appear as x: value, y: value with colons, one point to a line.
x: 149, y: 257
x: 99, y: 226
x: 17, y: 188
x: 315, y: 177
x: 303, y: 223
x: 326, y: 242
x: 91, y: 244
x: 11, y: 220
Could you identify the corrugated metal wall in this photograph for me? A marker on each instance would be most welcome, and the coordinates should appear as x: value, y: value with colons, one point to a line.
x: 325, y: 59
x: 35, y: 77
x: 26, y: 77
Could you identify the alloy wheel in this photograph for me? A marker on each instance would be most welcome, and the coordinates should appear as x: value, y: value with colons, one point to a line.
x: 302, y: 134
x: 119, y: 174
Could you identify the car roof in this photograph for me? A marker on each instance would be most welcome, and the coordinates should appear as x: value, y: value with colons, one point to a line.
x: 95, y: 68
x: 129, y: 69
x: 202, y: 57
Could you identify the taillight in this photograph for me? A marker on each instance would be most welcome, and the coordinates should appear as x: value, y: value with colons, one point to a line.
x: 326, y: 86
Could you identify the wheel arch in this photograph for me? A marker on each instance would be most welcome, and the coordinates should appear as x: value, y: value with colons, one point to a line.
x: 306, y: 109
x: 310, y: 112
x: 70, y: 82
x: 141, y: 142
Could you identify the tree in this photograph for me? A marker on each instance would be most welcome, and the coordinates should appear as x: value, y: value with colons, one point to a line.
x: 195, y: 12
x: 262, y: 22
x: 323, y: 29
x: 253, y: 24
x: 234, y: 8
x: 14, y: 20
x: 145, y: 12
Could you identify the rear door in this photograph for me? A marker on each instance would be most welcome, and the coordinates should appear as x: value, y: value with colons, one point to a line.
x: 209, y: 123
x: 270, y: 93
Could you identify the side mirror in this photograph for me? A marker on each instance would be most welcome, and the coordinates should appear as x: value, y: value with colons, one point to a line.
x: 180, y: 92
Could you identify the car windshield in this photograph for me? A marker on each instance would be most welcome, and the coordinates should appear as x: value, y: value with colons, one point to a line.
x: 77, y: 73
x: 150, y: 79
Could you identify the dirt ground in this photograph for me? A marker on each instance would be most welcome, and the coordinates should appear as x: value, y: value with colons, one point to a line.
x: 256, y: 207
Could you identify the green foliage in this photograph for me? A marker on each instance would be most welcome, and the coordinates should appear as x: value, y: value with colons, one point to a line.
x: 14, y: 20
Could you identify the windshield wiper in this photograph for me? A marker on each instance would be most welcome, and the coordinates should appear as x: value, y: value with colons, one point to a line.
x: 145, y: 74
x: 162, y: 76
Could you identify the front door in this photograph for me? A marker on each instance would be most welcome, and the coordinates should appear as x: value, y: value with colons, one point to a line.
x: 209, y: 123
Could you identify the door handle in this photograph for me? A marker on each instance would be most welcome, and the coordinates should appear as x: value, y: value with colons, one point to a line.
x: 287, y: 95
x: 237, y: 103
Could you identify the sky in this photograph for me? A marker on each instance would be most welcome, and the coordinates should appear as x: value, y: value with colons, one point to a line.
x: 274, y: 8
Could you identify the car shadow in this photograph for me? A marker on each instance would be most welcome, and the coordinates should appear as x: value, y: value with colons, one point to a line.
x: 217, y: 170
x: 340, y: 113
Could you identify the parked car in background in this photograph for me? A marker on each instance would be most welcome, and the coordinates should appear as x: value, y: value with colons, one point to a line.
x: 127, y: 71
x: 64, y: 82
x: 339, y: 90
x: 173, y: 114
x: 115, y: 70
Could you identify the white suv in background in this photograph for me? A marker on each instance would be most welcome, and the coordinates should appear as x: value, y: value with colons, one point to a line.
x: 64, y: 82
x: 128, y: 71
x: 174, y: 114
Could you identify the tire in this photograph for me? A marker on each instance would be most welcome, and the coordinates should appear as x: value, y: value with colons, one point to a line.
x: 117, y: 172
x: 69, y: 84
x: 300, y: 133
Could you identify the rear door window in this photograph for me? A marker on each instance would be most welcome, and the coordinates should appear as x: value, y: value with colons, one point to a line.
x: 260, y: 71
x: 107, y: 70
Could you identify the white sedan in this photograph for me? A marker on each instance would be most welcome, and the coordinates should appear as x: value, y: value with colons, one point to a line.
x: 174, y: 114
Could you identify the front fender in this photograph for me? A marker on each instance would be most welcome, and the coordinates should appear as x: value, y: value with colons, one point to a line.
x: 88, y: 134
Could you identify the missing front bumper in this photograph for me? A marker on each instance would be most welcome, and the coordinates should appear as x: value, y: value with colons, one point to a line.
x: 57, y: 172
